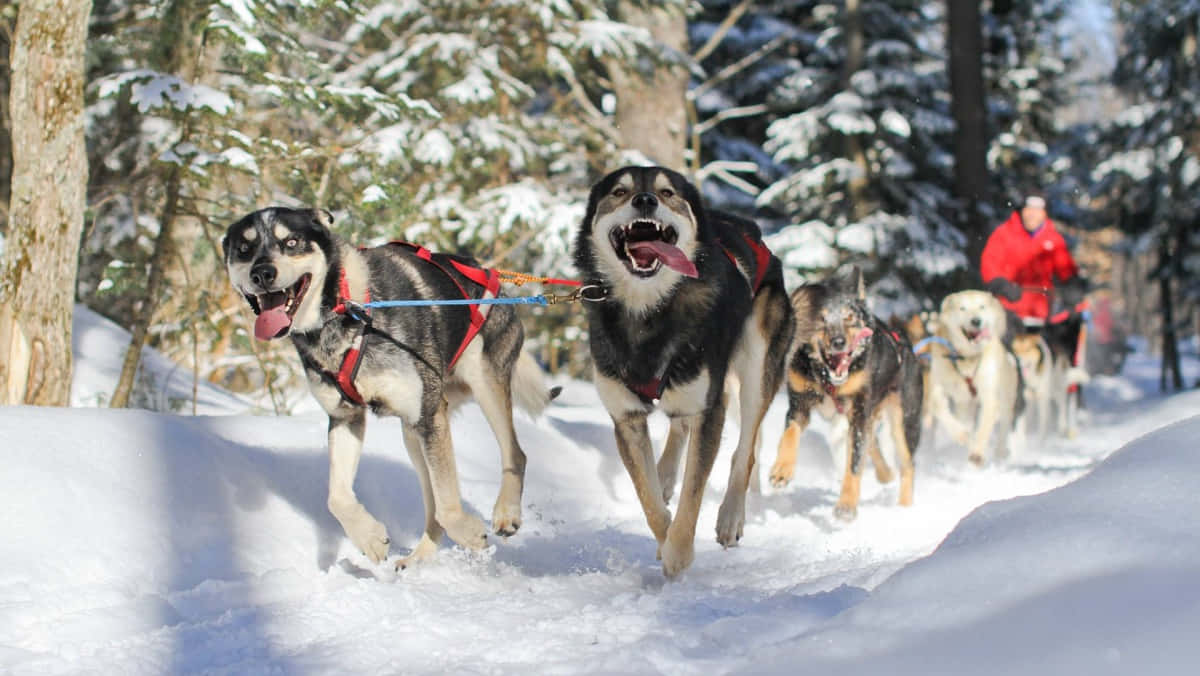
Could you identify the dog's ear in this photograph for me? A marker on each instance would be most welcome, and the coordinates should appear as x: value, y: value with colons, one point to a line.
x: 936, y: 328
x: 848, y: 281
x: 322, y: 218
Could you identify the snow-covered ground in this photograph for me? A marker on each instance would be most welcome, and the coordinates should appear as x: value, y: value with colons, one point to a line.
x: 146, y: 543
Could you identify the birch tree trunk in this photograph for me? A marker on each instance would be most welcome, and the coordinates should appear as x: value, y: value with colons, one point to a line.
x: 651, y: 113
x: 49, y: 183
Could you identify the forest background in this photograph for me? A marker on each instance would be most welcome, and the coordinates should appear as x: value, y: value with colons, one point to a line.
x: 890, y: 135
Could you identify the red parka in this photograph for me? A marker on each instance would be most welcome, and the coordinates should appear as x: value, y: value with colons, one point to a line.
x: 1034, y: 260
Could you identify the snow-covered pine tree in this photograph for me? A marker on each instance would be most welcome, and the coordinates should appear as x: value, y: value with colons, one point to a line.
x: 465, y: 125
x: 865, y: 151
x: 498, y: 170
x: 746, y: 53
x: 1032, y: 80
x: 1152, y: 178
x: 195, y: 122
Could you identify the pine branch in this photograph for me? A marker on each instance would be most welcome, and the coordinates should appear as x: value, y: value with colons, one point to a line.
x: 721, y: 169
x: 722, y: 30
x: 737, y: 67
x: 597, y: 119
x: 729, y: 114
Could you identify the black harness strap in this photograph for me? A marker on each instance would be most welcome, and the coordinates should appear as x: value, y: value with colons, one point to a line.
x: 487, y: 280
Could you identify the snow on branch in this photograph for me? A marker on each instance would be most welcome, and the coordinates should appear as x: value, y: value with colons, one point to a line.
x: 153, y: 91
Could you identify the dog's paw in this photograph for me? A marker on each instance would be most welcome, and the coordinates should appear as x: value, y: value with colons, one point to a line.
x: 884, y: 474
x: 467, y: 530
x: 676, y: 557
x: 371, y: 538
x: 845, y: 511
x: 781, y: 475
x: 506, y: 519
x: 424, y: 551
x: 731, y: 519
x: 976, y: 459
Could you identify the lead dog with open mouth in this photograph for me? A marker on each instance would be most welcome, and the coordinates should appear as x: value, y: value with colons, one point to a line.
x: 689, y: 293
x: 416, y: 363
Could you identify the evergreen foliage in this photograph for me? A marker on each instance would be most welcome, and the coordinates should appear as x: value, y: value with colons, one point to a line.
x: 466, y: 126
x: 858, y: 164
x: 1031, y: 73
x: 1152, y: 174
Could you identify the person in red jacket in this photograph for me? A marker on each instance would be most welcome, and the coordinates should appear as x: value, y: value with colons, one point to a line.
x: 1026, y: 263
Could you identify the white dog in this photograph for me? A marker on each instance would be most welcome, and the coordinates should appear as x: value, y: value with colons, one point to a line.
x: 976, y: 385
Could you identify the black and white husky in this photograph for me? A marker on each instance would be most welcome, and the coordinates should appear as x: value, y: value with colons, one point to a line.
x: 304, y: 282
x: 690, y: 295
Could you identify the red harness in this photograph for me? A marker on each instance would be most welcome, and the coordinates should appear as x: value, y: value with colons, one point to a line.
x: 762, y: 259
x: 488, y: 280
x: 353, y: 357
x: 651, y: 390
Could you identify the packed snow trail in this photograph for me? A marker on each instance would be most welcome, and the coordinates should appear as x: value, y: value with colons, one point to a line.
x: 145, y: 543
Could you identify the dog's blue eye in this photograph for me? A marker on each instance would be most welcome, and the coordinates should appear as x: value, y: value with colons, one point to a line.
x: 292, y: 243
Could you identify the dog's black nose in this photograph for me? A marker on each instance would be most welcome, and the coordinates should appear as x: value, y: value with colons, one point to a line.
x: 838, y: 343
x: 976, y: 322
x: 645, y: 201
x: 263, y: 275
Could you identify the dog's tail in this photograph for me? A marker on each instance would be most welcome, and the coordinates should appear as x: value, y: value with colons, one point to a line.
x: 529, y: 386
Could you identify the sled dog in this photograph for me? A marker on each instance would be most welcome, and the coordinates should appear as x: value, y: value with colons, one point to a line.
x: 1045, y: 376
x: 1064, y: 341
x: 977, y: 384
x: 847, y: 362
x: 304, y: 282
x: 689, y: 294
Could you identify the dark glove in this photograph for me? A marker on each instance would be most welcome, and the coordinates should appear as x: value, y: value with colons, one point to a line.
x: 1005, y: 288
x: 1072, y: 291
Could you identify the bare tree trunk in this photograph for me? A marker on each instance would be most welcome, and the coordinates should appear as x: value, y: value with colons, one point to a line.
x: 1170, y: 345
x: 49, y: 184
x: 968, y: 103
x: 154, y: 290
x: 651, y: 115
x: 176, y: 53
x: 6, y: 31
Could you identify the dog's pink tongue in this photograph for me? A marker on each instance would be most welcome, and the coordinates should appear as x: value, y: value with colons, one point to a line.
x: 671, y: 256
x: 843, y: 365
x: 270, y: 323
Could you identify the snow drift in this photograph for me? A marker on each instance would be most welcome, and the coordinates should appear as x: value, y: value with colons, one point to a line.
x: 146, y: 543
